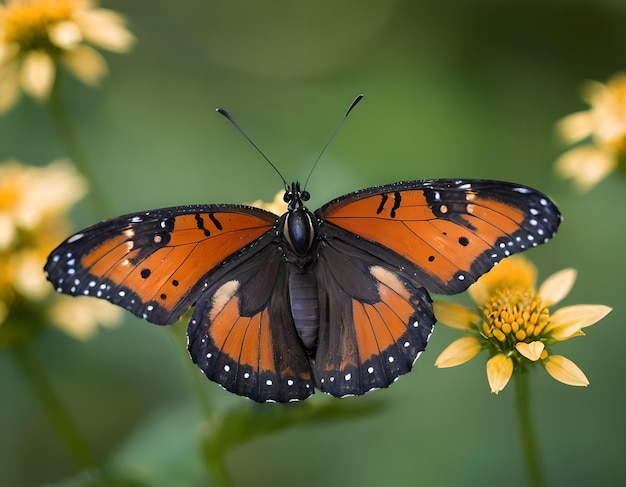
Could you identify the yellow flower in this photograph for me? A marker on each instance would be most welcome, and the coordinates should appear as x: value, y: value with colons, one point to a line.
x: 35, y: 34
x: 515, y: 324
x: 278, y: 206
x: 604, y: 124
x: 31, y: 197
x: 33, y: 206
x: 80, y: 317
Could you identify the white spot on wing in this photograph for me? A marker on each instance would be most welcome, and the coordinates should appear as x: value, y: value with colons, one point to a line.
x: 76, y: 237
x: 222, y: 297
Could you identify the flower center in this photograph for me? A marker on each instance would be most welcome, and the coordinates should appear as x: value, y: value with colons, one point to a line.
x: 28, y: 23
x: 513, y: 315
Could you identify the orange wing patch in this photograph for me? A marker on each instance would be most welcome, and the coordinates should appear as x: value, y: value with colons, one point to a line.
x: 379, y: 326
x: 419, y: 234
x: 245, y: 340
x: 380, y: 341
x: 155, y: 263
x: 452, y: 230
x: 248, y: 355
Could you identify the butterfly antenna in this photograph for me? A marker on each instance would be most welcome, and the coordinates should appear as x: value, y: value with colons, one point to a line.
x: 343, y: 119
x: 221, y: 111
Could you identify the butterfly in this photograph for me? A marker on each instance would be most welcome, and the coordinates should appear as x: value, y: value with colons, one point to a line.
x: 335, y: 299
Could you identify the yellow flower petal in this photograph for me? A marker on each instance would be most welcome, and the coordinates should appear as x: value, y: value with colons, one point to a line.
x: 46, y: 191
x: 28, y: 278
x: 37, y: 75
x: 565, y: 371
x: 105, y: 29
x: 9, y: 85
x: 80, y: 317
x: 512, y: 272
x: 66, y: 35
x: 454, y: 315
x: 586, y: 165
x: 7, y: 230
x: 557, y: 286
x: 532, y: 351
x: 594, y: 92
x: 567, y: 322
x: 499, y: 371
x: 575, y: 127
x: 86, y: 64
x: 458, y: 352
x: 278, y: 206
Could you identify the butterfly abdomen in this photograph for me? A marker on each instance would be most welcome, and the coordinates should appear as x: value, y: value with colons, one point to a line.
x: 304, y: 303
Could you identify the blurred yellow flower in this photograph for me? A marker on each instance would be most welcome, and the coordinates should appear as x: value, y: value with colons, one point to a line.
x: 80, y: 317
x: 33, y: 206
x: 514, y: 323
x: 605, y: 124
x: 31, y: 197
x: 35, y: 34
x: 277, y: 206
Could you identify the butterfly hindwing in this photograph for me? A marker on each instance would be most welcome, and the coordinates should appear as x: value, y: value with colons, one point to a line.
x: 242, y: 334
x: 450, y: 231
x: 376, y: 322
x: 156, y: 263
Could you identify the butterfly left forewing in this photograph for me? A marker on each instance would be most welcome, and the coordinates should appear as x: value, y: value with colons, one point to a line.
x: 156, y: 263
x: 449, y: 232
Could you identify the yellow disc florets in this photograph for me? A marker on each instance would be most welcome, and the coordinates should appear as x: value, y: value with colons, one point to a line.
x: 29, y: 24
x: 513, y: 315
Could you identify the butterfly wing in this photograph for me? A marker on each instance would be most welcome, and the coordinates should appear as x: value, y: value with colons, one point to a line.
x: 157, y: 263
x: 444, y: 232
x: 242, y: 333
x: 376, y: 322
x: 383, y: 246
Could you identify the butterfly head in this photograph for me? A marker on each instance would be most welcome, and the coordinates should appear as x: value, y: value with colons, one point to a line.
x: 295, y: 197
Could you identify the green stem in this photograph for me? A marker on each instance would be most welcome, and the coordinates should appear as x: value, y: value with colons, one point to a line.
x: 214, y: 463
x: 65, y: 130
x: 213, y: 460
x: 196, y: 379
x: 529, y: 440
x: 58, y: 416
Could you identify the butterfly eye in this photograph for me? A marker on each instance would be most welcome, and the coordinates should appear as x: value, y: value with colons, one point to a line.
x: 288, y: 197
x: 305, y: 196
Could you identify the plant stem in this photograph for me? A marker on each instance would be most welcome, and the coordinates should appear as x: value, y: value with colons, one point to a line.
x: 67, y: 134
x: 58, y: 416
x: 213, y: 460
x: 217, y: 468
x: 196, y: 380
x: 529, y: 440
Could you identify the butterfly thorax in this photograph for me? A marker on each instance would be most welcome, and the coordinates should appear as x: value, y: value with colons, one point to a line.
x: 299, y: 225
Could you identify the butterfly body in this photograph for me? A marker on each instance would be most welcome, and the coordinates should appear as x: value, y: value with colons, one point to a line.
x: 334, y: 299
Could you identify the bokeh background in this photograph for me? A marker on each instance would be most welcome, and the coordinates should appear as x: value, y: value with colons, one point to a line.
x: 452, y: 89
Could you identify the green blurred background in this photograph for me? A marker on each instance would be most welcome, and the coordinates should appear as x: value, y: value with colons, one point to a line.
x: 452, y: 89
